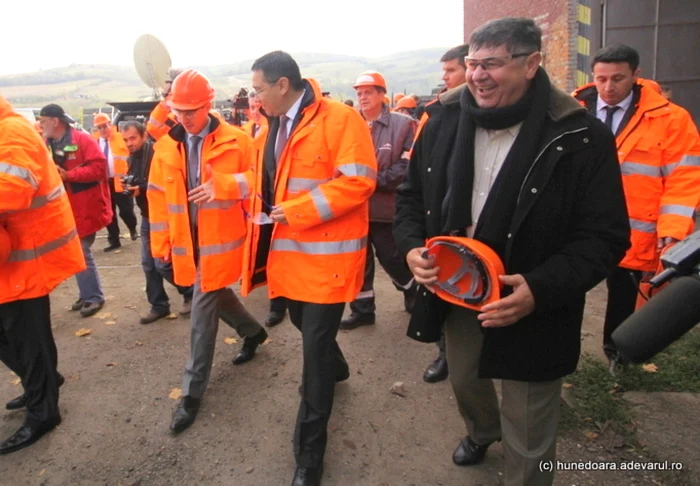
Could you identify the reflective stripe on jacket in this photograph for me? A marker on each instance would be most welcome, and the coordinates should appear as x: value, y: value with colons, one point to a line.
x: 659, y: 154
x: 35, y: 212
x: 221, y: 232
x: 324, y: 179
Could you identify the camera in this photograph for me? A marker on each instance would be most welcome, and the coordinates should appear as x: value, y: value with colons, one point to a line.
x: 672, y: 312
x: 126, y: 182
x: 240, y: 101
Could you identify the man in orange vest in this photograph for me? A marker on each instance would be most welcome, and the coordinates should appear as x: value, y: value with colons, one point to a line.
x: 659, y: 153
x: 117, y: 155
x: 308, y: 239
x: 201, y: 228
x: 39, y: 249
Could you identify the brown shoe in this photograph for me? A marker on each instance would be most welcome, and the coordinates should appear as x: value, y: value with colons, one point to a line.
x: 186, y: 308
x: 152, y: 317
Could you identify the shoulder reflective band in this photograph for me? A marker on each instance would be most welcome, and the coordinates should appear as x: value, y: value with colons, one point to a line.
x: 479, y: 281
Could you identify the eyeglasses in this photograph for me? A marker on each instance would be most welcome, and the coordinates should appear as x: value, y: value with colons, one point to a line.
x: 491, y: 63
x: 186, y: 113
x: 260, y: 218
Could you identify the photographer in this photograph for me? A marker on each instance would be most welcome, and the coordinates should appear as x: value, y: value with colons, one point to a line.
x: 141, y: 153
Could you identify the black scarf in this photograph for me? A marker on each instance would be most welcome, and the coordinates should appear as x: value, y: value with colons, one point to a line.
x: 494, y: 221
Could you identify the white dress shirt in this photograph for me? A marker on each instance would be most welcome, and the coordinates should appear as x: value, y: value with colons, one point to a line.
x: 110, y: 156
x: 291, y: 115
x: 491, y: 148
x: 601, y: 112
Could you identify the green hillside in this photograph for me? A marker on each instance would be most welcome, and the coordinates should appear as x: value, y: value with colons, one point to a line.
x: 91, y: 85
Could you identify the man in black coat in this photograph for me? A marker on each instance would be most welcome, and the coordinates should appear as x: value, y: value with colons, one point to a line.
x: 543, y: 190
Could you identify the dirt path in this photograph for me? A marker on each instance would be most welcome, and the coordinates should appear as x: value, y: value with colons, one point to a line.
x: 116, y: 408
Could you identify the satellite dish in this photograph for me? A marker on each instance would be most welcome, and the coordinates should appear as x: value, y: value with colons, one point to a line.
x: 152, y: 62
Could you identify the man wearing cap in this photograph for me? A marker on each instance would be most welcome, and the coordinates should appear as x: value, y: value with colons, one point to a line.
x: 197, y: 222
x: 392, y: 134
x: 116, y: 153
x: 513, y: 162
x: 83, y: 169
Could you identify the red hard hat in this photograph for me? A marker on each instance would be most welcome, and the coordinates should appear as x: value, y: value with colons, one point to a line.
x: 469, y: 271
x: 5, y: 245
x: 100, y: 119
x: 190, y: 90
x: 406, y: 102
x: 370, y: 78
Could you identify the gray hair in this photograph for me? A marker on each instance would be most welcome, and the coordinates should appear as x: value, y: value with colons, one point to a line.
x: 174, y: 73
x: 516, y: 34
x: 252, y: 94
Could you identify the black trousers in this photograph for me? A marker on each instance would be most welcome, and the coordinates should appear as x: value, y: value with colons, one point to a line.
x: 126, y: 212
x: 278, y: 304
x: 381, y: 242
x: 323, y: 361
x: 27, y: 347
x: 623, y: 286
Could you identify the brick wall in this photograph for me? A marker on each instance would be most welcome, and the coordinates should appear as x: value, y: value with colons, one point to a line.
x: 556, y: 18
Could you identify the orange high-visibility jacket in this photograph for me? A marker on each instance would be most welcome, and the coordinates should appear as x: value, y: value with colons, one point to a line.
x: 248, y: 127
x: 659, y: 153
x: 160, y: 121
x: 325, y: 177
x: 35, y: 213
x: 120, y: 155
x: 221, y: 223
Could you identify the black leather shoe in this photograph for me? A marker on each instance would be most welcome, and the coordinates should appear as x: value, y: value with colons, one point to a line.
x: 250, y: 344
x: 26, y: 435
x: 469, y: 453
x: 307, y: 476
x: 184, y: 414
x: 356, y: 320
x: 274, y: 318
x: 91, y: 308
x: 436, y: 371
x: 134, y: 235
x: 21, y: 401
x: 112, y: 247
x: 77, y: 305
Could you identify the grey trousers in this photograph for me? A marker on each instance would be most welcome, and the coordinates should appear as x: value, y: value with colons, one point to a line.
x: 207, y: 308
x: 529, y: 414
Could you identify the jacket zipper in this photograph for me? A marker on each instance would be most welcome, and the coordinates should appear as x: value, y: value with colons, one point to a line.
x: 527, y: 176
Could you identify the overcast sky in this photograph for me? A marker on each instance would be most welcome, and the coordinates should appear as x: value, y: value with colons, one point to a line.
x: 42, y: 34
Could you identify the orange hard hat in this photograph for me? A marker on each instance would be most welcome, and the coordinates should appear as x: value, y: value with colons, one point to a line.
x: 5, y: 245
x: 406, y: 102
x: 398, y: 96
x: 370, y: 78
x: 101, y: 119
x: 190, y: 90
x: 469, y: 271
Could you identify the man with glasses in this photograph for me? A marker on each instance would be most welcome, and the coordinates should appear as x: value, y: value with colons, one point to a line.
x: 117, y: 155
x: 659, y: 153
x: 197, y: 223
x: 317, y: 172
x: 520, y: 166
x: 161, y: 120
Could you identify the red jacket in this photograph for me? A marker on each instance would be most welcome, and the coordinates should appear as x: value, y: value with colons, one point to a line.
x: 86, y: 185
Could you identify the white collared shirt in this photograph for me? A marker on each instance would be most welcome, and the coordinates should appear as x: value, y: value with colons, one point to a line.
x: 602, y: 113
x: 110, y: 156
x: 202, y: 134
x: 491, y: 148
x: 291, y: 115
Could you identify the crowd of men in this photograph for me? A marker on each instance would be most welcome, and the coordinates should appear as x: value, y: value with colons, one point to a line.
x: 566, y: 190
